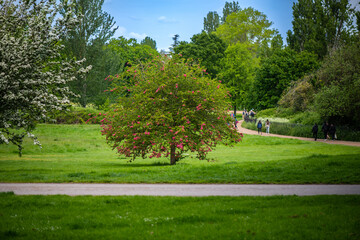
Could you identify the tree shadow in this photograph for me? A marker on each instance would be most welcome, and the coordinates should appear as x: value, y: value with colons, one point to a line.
x: 135, y: 165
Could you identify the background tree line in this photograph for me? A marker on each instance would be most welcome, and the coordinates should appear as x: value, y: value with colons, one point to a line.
x: 305, y: 78
x: 241, y: 49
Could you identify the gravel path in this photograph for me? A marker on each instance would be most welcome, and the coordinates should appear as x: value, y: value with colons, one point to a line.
x: 195, y: 190
x: 252, y: 132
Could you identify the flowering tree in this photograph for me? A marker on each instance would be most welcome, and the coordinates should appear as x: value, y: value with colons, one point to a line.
x: 172, y: 107
x: 32, y: 72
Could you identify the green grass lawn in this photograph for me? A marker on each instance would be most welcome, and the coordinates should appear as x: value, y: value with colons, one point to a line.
x: 78, y: 153
x: 135, y: 217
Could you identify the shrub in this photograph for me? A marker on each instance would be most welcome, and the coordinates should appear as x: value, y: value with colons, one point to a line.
x: 307, y: 118
x: 270, y: 112
x: 76, y: 115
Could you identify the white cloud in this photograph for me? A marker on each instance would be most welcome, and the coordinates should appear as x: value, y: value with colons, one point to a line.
x: 138, y: 36
x: 164, y: 19
x: 121, y: 31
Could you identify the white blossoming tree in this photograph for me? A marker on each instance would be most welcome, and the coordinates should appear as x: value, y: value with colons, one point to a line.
x: 33, y: 74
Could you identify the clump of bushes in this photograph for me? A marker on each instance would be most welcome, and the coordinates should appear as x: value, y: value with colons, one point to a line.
x: 76, y: 115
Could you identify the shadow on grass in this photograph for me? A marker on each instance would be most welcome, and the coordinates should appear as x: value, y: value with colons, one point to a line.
x: 132, y: 164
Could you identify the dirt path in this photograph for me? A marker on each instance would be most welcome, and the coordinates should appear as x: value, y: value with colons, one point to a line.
x: 195, y: 190
x: 252, y: 132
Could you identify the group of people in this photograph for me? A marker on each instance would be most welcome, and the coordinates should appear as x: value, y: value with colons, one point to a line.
x: 251, y: 113
x: 267, y: 126
x: 328, y: 130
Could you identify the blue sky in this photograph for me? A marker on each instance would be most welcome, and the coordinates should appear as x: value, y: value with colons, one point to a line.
x: 162, y: 19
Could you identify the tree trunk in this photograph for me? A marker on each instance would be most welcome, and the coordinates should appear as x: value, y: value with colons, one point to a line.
x: 172, y: 154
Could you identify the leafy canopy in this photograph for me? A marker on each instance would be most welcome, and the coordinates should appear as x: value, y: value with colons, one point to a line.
x: 207, y: 48
x: 172, y: 107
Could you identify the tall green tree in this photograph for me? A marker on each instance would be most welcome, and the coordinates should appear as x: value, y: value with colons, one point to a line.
x: 248, y: 26
x: 206, y: 48
x: 338, y: 98
x: 176, y: 42
x: 277, y: 72
x: 211, y: 22
x: 120, y: 53
x: 95, y: 28
x: 238, y: 72
x: 321, y: 26
x: 229, y: 8
x: 247, y: 32
x: 149, y: 41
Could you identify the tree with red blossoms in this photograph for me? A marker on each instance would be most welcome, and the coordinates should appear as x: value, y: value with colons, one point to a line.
x: 172, y: 107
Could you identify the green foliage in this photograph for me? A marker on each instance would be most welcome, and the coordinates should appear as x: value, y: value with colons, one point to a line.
x: 270, y: 112
x: 277, y: 72
x: 93, y: 30
x: 245, y: 26
x: 76, y: 115
x: 299, y: 95
x: 288, y: 129
x: 338, y: 99
x: 206, y: 48
x: 332, y: 91
x: 238, y: 72
x: 149, y: 41
x: 211, y: 22
x: 229, y: 8
x: 333, y: 27
x: 307, y: 118
x: 172, y: 107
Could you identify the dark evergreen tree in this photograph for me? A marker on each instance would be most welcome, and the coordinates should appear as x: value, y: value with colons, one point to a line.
x: 95, y: 28
x: 321, y: 26
x: 229, y: 8
x: 149, y: 41
x: 211, y: 22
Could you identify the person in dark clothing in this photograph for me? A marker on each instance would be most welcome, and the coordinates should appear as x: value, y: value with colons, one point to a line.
x: 325, y: 130
x: 259, y: 126
x: 332, y: 131
x: 315, y: 131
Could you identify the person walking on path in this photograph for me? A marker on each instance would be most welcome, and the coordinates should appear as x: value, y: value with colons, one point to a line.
x: 325, y: 129
x: 267, y: 125
x: 259, y: 127
x: 332, y: 131
x: 315, y: 131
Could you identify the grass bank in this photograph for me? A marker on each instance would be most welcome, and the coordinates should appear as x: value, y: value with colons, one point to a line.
x: 86, y: 217
x: 78, y: 153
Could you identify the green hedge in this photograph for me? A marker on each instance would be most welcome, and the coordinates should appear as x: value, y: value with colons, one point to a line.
x: 76, y: 115
x: 300, y: 130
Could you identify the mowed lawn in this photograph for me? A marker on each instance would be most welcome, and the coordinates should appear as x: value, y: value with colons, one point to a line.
x: 78, y: 153
x: 135, y: 217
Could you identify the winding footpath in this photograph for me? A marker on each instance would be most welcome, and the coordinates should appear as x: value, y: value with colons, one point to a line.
x: 193, y: 190
x: 253, y: 132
